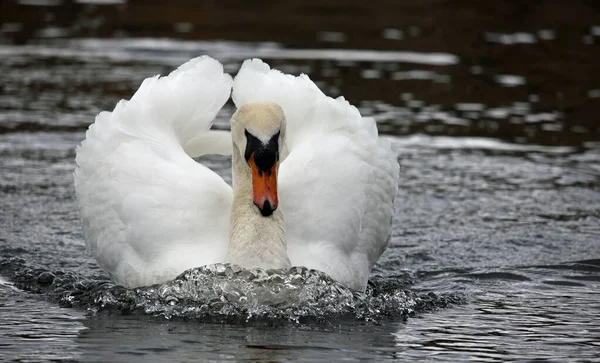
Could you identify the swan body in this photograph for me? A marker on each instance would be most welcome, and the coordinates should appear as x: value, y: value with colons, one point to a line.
x: 313, y: 184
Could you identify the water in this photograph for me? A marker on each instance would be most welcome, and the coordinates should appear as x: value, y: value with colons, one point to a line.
x: 495, y: 252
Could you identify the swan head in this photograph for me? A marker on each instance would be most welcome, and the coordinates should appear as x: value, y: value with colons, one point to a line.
x: 258, y: 131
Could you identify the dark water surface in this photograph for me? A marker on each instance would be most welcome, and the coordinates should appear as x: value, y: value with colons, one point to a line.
x: 493, y: 110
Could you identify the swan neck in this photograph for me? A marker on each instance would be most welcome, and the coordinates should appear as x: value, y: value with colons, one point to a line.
x: 255, y: 240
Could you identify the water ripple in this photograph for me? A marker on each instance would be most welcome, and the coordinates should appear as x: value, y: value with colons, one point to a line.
x: 228, y: 293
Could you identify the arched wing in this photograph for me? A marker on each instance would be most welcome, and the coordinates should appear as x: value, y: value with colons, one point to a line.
x: 149, y: 211
x: 337, y: 183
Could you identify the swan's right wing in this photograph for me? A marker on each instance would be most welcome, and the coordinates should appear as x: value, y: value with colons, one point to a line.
x: 338, y: 181
x: 149, y: 211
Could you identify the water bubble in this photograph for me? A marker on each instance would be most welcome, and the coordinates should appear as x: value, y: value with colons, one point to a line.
x: 45, y: 277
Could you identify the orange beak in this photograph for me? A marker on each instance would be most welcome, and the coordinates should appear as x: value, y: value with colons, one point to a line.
x: 264, y: 188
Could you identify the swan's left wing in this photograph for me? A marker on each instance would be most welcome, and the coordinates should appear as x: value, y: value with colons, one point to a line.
x: 149, y: 211
x: 338, y: 181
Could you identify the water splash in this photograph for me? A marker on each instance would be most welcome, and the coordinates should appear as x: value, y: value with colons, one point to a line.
x: 228, y: 293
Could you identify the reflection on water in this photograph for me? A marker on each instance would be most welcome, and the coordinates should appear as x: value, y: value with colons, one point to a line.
x: 50, y: 87
x: 491, y: 106
x: 539, y: 55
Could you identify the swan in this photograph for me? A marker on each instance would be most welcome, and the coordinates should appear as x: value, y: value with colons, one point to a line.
x: 312, y: 183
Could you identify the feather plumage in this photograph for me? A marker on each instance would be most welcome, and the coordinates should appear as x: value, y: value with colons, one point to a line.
x: 150, y: 211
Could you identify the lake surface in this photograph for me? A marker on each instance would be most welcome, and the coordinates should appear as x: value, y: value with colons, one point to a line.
x: 493, y: 110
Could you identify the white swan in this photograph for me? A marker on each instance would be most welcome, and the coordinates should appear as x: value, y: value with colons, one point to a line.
x: 313, y: 185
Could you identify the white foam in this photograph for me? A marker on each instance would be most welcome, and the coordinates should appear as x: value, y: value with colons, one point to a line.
x: 177, y: 51
x: 370, y: 74
x: 542, y: 116
x: 418, y: 74
x: 514, y: 38
x: 510, y: 80
x: 7, y: 284
x: 400, y: 143
x: 497, y: 113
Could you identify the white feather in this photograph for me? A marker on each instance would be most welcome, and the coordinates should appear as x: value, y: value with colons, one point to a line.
x: 149, y: 211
